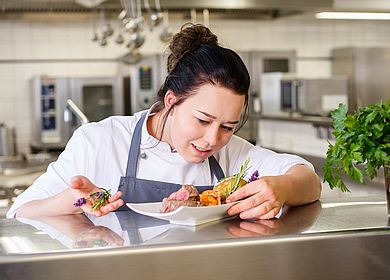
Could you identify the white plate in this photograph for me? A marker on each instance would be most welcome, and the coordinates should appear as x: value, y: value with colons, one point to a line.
x: 184, y: 215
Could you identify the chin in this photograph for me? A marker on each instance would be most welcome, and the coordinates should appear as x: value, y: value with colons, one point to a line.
x: 193, y: 159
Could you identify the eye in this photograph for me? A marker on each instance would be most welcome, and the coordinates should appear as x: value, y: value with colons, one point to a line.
x: 227, y: 128
x: 203, y: 122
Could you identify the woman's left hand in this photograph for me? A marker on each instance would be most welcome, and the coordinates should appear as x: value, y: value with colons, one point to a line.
x: 98, y: 236
x: 260, y: 199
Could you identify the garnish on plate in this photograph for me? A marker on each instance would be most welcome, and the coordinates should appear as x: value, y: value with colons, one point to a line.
x: 230, y: 184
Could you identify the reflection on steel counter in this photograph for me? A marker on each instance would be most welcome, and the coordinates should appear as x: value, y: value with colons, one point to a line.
x: 302, y: 244
x: 129, y: 228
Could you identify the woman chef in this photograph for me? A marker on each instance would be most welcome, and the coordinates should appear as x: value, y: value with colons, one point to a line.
x: 186, y: 137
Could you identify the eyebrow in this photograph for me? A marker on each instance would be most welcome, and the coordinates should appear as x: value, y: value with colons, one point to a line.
x: 214, y: 117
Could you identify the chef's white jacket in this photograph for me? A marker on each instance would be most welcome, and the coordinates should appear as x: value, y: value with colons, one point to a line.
x: 100, y: 150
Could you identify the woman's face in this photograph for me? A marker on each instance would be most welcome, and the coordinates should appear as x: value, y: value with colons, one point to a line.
x: 203, y: 123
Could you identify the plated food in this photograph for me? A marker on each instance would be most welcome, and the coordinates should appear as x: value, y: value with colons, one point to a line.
x: 187, y: 207
x: 188, y: 195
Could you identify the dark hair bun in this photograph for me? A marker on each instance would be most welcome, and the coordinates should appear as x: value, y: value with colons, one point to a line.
x: 190, y: 37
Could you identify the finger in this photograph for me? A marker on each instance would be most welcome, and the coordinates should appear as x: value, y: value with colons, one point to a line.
x: 82, y: 183
x: 88, y: 209
x: 257, y: 211
x: 237, y: 231
x: 112, y: 206
x: 271, y: 214
x: 258, y: 228
x: 115, y: 197
x: 245, y: 191
x: 252, y: 225
x: 275, y: 224
x: 246, y: 204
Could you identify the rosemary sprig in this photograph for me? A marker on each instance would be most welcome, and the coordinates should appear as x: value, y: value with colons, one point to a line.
x: 237, y: 178
x: 100, y: 198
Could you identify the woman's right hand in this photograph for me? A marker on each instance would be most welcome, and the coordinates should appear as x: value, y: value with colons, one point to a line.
x: 82, y: 187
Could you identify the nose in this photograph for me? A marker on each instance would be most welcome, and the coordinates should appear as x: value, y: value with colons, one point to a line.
x: 212, y: 136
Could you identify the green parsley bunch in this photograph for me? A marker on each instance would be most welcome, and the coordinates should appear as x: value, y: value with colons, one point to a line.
x: 361, y: 138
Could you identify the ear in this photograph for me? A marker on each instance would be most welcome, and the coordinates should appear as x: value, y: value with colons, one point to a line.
x: 169, y: 100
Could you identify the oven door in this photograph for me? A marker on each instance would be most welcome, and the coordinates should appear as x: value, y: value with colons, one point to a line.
x: 98, y: 98
x: 289, y: 95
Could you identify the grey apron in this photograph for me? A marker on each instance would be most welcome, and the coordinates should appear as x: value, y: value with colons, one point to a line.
x: 137, y: 190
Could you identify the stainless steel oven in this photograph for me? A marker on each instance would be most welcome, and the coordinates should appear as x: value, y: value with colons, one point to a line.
x: 98, y: 98
x: 313, y: 96
x: 52, y: 125
x: 259, y: 63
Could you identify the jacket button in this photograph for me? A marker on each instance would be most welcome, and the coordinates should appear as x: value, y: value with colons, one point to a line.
x: 143, y: 156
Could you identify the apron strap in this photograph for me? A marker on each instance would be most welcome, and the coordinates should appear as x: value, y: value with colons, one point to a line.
x: 132, y: 161
x: 128, y: 222
x: 216, y: 168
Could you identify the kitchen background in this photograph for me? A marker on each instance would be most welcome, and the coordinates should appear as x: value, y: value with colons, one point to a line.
x: 58, y: 44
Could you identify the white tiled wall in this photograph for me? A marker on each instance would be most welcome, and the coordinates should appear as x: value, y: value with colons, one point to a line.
x: 29, y: 40
x: 292, y: 137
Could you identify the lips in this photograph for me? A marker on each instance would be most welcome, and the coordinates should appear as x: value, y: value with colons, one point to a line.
x: 200, y: 151
x: 200, y: 148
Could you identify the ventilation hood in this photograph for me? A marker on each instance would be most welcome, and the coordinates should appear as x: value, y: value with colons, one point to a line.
x: 228, y: 8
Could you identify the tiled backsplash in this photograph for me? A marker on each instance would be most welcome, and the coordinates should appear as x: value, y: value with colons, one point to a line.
x: 292, y: 137
x: 22, y: 42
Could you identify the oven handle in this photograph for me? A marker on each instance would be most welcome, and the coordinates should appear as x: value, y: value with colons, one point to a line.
x: 72, y: 107
x: 294, y: 95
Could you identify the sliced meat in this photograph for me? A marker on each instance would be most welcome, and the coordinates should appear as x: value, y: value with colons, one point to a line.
x: 187, y: 195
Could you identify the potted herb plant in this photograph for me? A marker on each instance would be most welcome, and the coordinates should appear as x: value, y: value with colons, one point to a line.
x: 362, y: 138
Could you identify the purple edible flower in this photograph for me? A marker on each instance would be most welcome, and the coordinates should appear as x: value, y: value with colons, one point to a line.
x: 254, y: 176
x: 80, y: 202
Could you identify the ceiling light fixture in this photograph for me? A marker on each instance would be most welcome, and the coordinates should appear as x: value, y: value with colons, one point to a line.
x: 89, y: 3
x: 353, y: 15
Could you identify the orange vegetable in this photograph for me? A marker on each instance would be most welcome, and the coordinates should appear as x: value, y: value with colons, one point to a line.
x: 226, y: 185
x: 210, y: 197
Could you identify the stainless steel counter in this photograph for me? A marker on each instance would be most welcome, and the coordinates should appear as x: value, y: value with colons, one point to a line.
x: 335, y: 238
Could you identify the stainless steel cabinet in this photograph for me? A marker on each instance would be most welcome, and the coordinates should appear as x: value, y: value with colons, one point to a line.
x: 367, y: 71
x: 259, y: 62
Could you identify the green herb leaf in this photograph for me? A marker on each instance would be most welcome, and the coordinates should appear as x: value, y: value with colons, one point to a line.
x: 237, y: 178
x: 361, y: 137
x: 100, y: 198
x: 339, y: 116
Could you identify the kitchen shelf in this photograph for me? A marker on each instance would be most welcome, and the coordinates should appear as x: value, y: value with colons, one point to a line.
x: 315, y: 120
